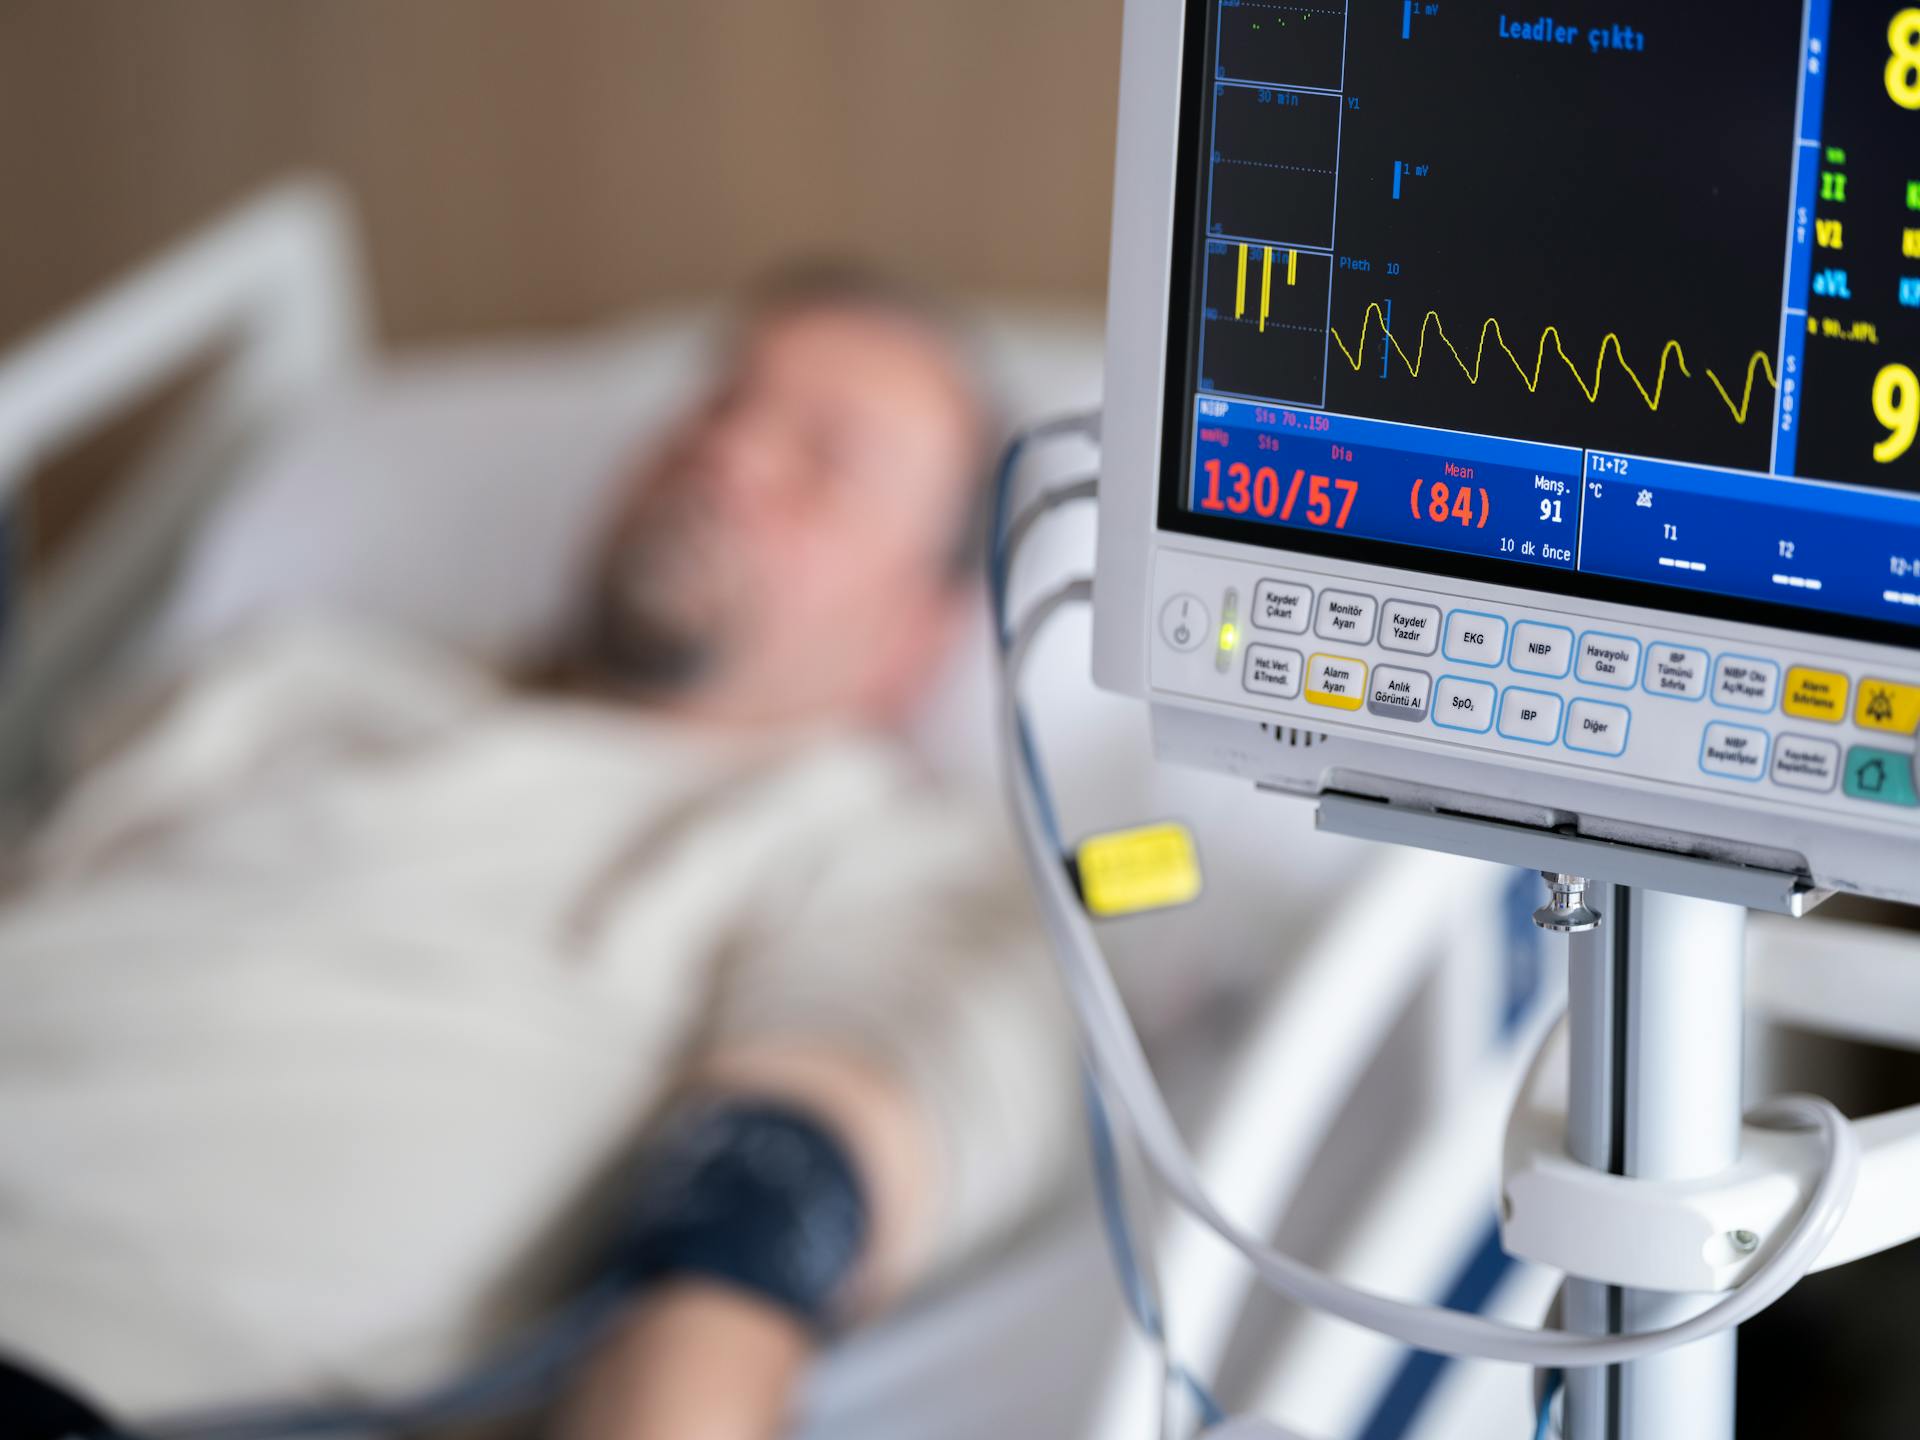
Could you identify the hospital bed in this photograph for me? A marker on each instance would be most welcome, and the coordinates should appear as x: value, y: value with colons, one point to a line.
x: 1318, y: 1047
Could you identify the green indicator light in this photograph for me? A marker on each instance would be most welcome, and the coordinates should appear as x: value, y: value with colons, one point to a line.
x: 1229, y: 636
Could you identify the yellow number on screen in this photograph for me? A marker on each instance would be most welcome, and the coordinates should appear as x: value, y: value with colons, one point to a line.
x: 1903, y: 66
x: 1896, y: 403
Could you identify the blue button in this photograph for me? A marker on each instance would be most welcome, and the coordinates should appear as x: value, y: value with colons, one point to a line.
x: 1882, y: 775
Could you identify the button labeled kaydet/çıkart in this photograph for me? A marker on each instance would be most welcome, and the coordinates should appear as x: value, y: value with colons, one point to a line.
x: 1885, y: 776
x: 1336, y: 682
x: 1734, y: 752
x: 1816, y: 695
x: 1886, y: 706
x: 1399, y: 694
x: 1282, y: 605
x: 1273, y: 671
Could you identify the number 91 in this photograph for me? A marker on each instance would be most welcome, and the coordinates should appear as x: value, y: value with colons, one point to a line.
x: 1896, y: 404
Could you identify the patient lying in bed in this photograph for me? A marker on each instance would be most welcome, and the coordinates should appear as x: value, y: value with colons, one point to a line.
x: 342, y: 1003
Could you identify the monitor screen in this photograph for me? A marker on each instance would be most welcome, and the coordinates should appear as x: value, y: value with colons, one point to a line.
x: 1619, y: 301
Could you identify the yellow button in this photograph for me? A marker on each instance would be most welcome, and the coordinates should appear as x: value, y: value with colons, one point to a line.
x: 1887, y: 706
x: 1337, y: 682
x: 1816, y: 695
x: 1127, y: 872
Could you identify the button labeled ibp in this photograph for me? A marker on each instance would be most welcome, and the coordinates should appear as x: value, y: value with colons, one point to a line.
x: 1816, y: 695
x: 1886, y: 706
x: 1530, y: 715
x: 1336, y: 682
x: 1282, y: 605
x: 1273, y: 671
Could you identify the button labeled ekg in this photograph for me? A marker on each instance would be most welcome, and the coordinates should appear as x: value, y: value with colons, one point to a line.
x: 1399, y: 694
x: 1743, y: 683
x: 1597, y: 728
x: 1464, y: 705
x: 1475, y: 639
x: 1734, y: 751
x: 1336, y: 682
x: 1282, y: 605
x: 1273, y: 671
x: 1677, y: 671
x: 1816, y: 695
x: 1610, y: 660
x: 1802, y: 763
x: 1414, y: 629
x: 1884, y: 705
x: 1345, y: 617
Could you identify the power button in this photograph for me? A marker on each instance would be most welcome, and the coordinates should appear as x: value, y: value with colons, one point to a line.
x: 1183, y: 622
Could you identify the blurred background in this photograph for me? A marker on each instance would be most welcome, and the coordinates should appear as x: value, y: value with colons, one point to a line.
x: 537, y: 165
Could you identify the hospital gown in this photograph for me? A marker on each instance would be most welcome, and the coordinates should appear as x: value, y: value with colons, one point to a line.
x: 334, y: 1002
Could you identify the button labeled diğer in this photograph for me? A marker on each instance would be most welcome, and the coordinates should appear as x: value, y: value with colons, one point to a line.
x: 1734, y: 751
x: 1743, y: 683
x: 1676, y: 671
x: 1399, y: 694
x: 1597, y: 728
x: 1610, y: 660
x: 1530, y: 715
x: 1816, y: 695
x: 1336, y: 682
x: 1414, y: 629
x: 1348, y: 618
x: 1282, y: 605
x: 1886, y: 706
x: 1476, y: 639
x: 1803, y: 763
x: 1541, y: 650
x: 1273, y: 671
x: 1465, y: 705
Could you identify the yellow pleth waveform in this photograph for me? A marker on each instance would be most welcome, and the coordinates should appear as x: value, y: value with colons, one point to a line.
x: 1266, y: 284
x: 1670, y: 352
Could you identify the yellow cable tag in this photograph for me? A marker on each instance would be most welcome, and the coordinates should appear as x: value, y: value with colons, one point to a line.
x: 1128, y: 872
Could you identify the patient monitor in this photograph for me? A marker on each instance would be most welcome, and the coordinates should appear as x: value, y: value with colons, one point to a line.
x: 1512, y: 442
x: 1514, y: 416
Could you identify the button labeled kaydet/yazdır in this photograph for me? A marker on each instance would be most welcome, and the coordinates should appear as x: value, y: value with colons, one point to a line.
x: 1465, y: 705
x: 1282, y: 605
x: 1273, y: 671
x: 1337, y: 682
x: 1886, y: 706
x: 1399, y: 694
x: 1734, y: 751
x: 1801, y: 762
x: 1598, y: 729
x: 1816, y: 695
x: 1882, y: 775
x: 1413, y: 629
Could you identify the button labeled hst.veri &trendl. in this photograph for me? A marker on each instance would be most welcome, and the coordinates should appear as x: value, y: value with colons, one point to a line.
x: 1337, y: 682
x: 1273, y: 671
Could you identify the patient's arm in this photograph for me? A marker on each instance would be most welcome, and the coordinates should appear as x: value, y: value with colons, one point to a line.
x: 701, y: 1360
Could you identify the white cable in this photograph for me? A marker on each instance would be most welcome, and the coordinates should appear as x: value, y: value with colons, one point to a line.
x: 1121, y: 1063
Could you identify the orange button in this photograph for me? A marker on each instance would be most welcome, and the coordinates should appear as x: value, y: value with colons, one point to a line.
x: 1816, y: 695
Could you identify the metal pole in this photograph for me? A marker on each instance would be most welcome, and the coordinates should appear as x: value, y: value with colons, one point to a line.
x: 1656, y: 1001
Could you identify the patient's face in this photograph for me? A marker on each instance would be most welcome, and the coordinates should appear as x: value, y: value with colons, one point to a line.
x: 788, y: 553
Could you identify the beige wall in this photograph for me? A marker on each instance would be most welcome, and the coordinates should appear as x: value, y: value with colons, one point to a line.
x: 542, y: 162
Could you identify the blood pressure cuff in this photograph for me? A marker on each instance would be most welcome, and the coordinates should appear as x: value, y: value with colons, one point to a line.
x: 754, y: 1195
